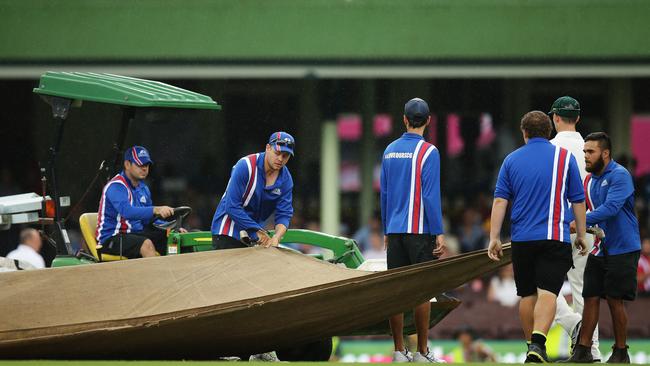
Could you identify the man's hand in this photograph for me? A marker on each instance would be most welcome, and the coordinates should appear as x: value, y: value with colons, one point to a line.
x: 273, y: 242
x: 499, y: 208
x: 572, y: 227
x: 182, y: 230
x: 263, y: 238
x: 580, y: 245
x: 495, y: 252
x: 440, y: 245
x: 597, y: 232
x: 163, y: 211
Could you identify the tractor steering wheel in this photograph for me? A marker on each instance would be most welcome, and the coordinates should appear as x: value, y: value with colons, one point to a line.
x: 175, y: 221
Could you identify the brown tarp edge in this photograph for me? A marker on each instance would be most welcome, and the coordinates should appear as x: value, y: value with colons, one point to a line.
x: 204, y: 305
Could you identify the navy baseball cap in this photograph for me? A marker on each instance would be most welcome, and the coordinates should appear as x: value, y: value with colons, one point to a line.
x: 138, y: 155
x: 416, y: 110
x: 282, y: 141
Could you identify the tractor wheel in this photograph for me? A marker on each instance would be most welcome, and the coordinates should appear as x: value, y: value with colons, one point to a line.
x: 314, y: 351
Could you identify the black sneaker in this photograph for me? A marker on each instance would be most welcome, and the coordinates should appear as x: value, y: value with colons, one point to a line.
x: 581, y: 354
x: 619, y: 355
x: 575, y: 333
x: 536, y: 354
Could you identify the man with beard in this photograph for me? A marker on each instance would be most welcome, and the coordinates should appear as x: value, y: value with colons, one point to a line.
x: 565, y: 113
x: 540, y: 180
x: 611, y: 267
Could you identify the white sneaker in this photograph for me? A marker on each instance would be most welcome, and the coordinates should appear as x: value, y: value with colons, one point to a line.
x: 265, y: 357
x: 427, y: 357
x: 230, y: 359
x: 402, y: 356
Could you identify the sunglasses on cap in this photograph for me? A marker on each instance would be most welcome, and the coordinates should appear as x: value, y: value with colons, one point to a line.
x: 282, y: 142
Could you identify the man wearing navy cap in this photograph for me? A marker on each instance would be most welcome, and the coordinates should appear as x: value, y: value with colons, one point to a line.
x: 260, y: 185
x: 126, y: 210
x: 411, y: 215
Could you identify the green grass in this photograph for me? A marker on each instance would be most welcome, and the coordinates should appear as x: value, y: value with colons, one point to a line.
x: 173, y: 363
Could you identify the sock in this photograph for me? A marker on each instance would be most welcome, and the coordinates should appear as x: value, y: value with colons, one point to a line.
x: 538, y: 338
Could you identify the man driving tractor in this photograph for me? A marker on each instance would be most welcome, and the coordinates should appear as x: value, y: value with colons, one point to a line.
x: 126, y: 211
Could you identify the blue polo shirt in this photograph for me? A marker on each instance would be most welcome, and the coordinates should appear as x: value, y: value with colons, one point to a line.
x: 410, y: 187
x: 610, y: 197
x: 248, y: 202
x: 123, y: 208
x: 540, y: 180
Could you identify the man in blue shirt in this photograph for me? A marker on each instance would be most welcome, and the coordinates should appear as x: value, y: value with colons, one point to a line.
x: 259, y: 186
x: 540, y: 180
x: 611, y: 267
x: 411, y: 215
x: 126, y: 211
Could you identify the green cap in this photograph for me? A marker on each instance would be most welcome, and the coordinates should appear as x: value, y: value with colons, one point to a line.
x: 566, y: 107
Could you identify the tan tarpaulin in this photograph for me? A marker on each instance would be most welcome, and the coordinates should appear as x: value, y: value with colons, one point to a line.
x: 207, y: 304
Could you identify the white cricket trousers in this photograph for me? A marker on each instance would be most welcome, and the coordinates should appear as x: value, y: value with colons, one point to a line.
x: 569, y: 317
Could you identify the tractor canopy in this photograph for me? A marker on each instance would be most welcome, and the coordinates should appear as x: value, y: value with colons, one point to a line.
x: 121, y: 90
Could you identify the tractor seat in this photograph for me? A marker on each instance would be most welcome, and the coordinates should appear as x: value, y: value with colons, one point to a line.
x: 88, y: 224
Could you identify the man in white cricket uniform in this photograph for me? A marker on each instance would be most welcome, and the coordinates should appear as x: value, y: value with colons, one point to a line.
x: 565, y: 113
